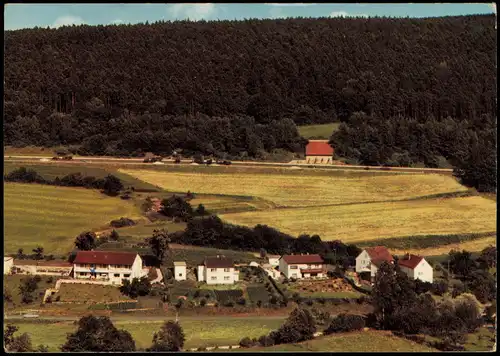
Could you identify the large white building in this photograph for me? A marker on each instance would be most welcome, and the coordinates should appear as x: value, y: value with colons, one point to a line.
x: 108, y: 266
x: 41, y: 267
x: 370, y: 259
x: 302, y: 266
x: 218, y: 270
x: 416, y: 267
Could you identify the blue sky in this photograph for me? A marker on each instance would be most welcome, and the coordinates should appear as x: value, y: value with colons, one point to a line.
x: 19, y: 16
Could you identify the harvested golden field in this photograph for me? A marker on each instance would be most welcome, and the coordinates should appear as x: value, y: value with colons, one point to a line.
x: 472, y: 246
x: 302, y: 190
x: 364, y: 222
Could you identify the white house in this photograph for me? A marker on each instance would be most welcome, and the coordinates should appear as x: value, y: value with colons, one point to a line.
x: 370, y: 259
x: 302, y: 266
x: 8, y: 263
x: 218, y: 270
x: 180, y: 271
x: 273, y: 260
x: 416, y: 267
x: 271, y: 271
x: 108, y: 266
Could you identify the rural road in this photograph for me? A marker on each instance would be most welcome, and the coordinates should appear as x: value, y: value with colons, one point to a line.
x: 135, y: 161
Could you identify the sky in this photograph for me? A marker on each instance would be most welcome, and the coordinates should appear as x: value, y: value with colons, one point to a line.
x: 18, y: 16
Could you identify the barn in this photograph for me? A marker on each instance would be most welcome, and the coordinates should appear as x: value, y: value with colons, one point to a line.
x: 319, y: 152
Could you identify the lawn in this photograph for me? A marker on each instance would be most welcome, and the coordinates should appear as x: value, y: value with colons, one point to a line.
x: 301, y: 190
x: 51, y: 217
x: 364, y: 222
x: 226, y: 331
x: 323, y: 131
x: 364, y: 341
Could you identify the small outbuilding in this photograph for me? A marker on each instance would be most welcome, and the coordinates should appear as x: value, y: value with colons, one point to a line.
x: 180, y: 271
x: 319, y: 152
x: 8, y: 263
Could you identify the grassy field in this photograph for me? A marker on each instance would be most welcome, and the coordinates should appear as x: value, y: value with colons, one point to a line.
x: 226, y: 331
x: 301, y: 190
x: 51, y: 217
x: 323, y: 131
x: 52, y: 170
x: 364, y: 222
x: 11, y: 285
x: 475, y: 245
x: 364, y: 341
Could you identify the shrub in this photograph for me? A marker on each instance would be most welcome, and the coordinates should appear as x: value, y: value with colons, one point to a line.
x: 345, y: 323
x: 203, y: 302
x: 439, y: 288
x: 50, y: 279
x: 266, y: 340
x: 229, y: 303
x: 246, y: 342
x: 122, y: 222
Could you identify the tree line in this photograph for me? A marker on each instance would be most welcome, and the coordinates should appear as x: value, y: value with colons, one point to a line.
x: 237, y: 87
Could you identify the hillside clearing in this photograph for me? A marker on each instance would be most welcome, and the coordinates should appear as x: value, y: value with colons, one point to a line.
x: 323, y: 131
x: 289, y: 190
x: 364, y: 222
x: 51, y: 217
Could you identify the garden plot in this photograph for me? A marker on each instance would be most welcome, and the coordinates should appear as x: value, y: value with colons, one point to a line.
x: 336, y: 288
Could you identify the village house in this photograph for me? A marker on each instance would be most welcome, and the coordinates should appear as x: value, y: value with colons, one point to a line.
x: 319, y: 152
x: 180, y: 270
x: 8, y: 263
x: 218, y: 270
x: 108, y: 266
x: 273, y: 260
x: 42, y: 267
x: 416, y: 267
x: 370, y: 259
x: 302, y: 266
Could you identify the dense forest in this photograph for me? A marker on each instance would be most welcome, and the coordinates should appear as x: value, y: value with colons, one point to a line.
x: 237, y: 87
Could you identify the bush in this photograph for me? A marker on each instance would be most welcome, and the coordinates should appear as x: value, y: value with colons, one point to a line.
x: 246, y: 342
x: 203, y: 302
x: 439, y: 288
x: 122, y: 222
x: 345, y: 323
x: 266, y: 340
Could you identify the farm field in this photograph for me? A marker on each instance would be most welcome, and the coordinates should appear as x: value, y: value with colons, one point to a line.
x: 222, y: 332
x: 323, y: 131
x: 51, y: 217
x: 301, y: 190
x: 364, y: 222
x: 364, y: 341
x: 474, y: 245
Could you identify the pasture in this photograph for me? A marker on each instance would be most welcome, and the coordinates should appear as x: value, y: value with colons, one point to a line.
x: 363, y: 222
x: 323, y: 131
x: 51, y: 217
x: 301, y: 190
x: 220, y: 332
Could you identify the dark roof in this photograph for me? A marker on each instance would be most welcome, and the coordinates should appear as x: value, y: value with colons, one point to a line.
x: 299, y: 259
x: 105, y: 257
x: 379, y: 253
x: 42, y: 263
x: 410, y: 261
x: 219, y: 262
x: 319, y: 148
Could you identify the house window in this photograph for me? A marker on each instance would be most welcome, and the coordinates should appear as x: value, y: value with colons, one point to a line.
x: 126, y: 275
x: 226, y: 278
x: 293, y: 267
x: 83, y: 274
x: 227, y: 270
x: 180, y: 274
x: 213, y: 278
x: 213, y: 269
x: 117, y: 275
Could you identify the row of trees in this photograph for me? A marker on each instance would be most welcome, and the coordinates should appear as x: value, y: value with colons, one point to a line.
x: 110, y: 185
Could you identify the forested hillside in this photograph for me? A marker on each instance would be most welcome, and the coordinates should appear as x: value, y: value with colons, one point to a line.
x: 135, y: 84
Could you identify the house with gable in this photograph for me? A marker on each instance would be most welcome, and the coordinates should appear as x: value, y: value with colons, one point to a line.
x: 218, y: 270
x: 370, y: 259
x: 109, y: 266
x: 302, y: 266
x: 416, y: 267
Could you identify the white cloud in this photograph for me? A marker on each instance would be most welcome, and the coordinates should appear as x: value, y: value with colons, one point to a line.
x: 297, y: 4
x: 117, y: 22
x: 345, y: 14
x: 193, y: 11
x: 67, y: 20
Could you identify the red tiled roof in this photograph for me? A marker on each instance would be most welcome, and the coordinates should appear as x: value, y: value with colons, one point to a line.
x: 105, y: 257
x: 319, y: 148
x: 299, y: 259
x: 410, y: 261
x: 219, y: 262
x: 379, y: 253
